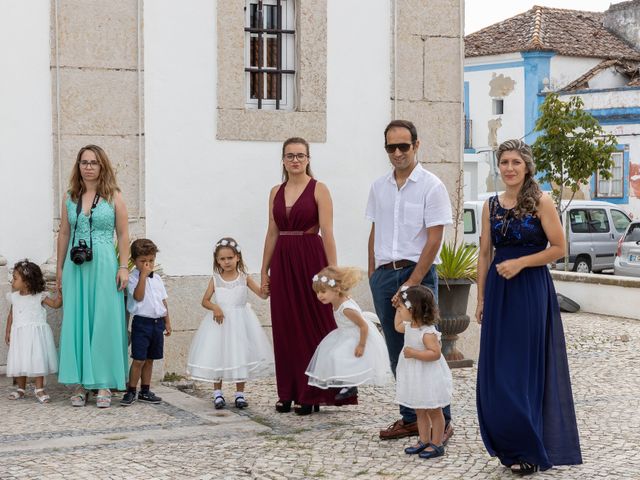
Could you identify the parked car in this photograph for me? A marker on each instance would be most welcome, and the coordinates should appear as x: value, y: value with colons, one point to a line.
x: 594, y: 230
x: 628, y: 255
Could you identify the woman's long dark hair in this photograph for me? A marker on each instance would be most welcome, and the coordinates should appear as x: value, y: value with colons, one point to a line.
x: 530, y: 193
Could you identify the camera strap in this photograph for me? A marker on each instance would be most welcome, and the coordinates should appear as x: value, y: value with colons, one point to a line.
x: 96, y: 199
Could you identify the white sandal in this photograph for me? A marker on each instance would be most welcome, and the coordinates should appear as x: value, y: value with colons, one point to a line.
x: 41, y: 398
x: 79, y: 399
x: 104, y: 401
x: 17, y: 395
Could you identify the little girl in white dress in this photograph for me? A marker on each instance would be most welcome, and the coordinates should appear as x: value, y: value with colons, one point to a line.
x: 230, y: 344
x: 355, y: 353
x: 423, y: 378
x: 32, y: 352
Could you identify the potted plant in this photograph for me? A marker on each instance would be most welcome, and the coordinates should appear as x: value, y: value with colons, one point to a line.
x: 456, y: 272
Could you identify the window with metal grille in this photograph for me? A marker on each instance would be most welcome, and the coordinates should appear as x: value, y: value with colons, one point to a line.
x: 613, y: 187
x: 270, y: 54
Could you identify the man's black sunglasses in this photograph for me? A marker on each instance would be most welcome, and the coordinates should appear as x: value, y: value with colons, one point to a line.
x: 391, y: 147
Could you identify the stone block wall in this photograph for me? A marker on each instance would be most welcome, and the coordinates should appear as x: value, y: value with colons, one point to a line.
x: 427, y: 83
x: 97, y: 73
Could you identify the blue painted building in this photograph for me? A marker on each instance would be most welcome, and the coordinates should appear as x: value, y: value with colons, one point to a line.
x: 511, y: 65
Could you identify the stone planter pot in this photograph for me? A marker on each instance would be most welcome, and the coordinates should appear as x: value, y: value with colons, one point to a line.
x: 453, y: 297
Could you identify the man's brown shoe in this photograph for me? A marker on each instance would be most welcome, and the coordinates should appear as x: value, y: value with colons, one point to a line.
x: 399, y: 430
x: 448, y: 433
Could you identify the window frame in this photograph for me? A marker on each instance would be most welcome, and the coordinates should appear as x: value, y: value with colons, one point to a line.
x: 285, y: 69
x: 599, y: 180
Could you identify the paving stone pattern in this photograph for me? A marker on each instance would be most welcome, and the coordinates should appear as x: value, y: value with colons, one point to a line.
x: 186, y: 438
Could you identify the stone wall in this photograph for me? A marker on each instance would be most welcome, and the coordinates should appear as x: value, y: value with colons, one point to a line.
x: 427, y: 83
x: 624, y: 20
x: 96, y: 72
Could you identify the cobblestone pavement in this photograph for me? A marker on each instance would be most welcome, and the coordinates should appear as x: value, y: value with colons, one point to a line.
x: 184, y: 437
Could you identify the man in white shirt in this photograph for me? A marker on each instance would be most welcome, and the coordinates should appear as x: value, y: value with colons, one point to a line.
x: 409, y: 208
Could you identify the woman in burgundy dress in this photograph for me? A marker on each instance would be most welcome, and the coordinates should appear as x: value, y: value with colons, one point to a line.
x: 299, y: 209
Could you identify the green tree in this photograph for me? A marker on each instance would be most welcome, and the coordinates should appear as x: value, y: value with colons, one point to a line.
x: 572, y: 147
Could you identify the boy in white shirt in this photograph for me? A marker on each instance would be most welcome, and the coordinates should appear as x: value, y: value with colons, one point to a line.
x: 147, y: 304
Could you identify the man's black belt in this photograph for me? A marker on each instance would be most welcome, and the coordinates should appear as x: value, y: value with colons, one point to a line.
x: 398, y: 265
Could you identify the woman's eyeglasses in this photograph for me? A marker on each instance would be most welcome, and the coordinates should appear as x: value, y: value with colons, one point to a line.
x: 290, y: 157
x: 403, y: 147
x: 89, y: 163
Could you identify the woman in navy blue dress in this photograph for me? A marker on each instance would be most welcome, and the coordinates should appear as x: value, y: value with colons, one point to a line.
x: 524, y: 399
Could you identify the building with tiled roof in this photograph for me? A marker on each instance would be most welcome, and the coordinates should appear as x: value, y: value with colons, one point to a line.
x: 510, y: 67
x: 571, y: 33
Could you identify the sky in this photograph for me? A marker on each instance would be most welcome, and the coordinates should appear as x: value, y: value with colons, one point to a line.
x: 482, y: 13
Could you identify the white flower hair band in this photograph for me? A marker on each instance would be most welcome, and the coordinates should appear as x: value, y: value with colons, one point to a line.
x: 407, y: 303
x: 227, y: 243
x: 329, y: 281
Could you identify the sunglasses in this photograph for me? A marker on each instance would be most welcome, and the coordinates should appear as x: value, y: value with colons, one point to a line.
x: 391, y: 147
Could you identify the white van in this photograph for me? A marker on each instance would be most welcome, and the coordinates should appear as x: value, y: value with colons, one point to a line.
x: 472, y: 220
x: 595, y: 228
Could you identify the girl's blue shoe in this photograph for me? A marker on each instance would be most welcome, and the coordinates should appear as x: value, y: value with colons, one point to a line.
x: 437, y: 451
x: 417, y: 449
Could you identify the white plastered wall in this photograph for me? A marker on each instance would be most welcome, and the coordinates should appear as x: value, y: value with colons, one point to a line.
x: 26, y: 192
x: 199, y: 188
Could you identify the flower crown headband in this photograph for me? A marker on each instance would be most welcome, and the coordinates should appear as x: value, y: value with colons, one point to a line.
x: 329, y: 281
x: 227, y: 243
x: 406, y: 301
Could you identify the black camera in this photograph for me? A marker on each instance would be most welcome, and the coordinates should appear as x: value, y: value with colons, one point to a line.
x: 81, y: 253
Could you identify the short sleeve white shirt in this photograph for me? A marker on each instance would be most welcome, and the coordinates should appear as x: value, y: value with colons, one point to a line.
x: 402, y: 216
x: 152, y: 305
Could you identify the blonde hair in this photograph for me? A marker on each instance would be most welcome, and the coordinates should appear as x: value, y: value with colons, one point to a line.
x: 107, y: 185
x: 344, y: 279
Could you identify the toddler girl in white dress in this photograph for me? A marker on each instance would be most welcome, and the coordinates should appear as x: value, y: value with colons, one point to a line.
x: 423, y: 378
x: 355, y: 353
x: 32, y: 352
x: 230, y: 344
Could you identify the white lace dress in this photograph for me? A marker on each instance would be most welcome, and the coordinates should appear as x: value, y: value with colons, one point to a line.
x: 334, y: 363
x: 32, y: 351
x: 236, y: 350
x: 421, y: 384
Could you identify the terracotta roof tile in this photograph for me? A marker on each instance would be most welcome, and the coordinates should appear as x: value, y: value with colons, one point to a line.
x: 566, y: 32
x: 630, y: 69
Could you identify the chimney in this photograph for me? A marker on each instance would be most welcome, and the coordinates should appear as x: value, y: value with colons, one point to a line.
x: 623, y: 19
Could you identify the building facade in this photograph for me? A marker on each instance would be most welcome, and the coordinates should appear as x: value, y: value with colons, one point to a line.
x: 192, y: 100
x: 510, y: 66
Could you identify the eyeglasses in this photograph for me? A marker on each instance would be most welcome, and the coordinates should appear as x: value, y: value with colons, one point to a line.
x: 391, y: 147
x: 290, y: 157
x: 89, y: 163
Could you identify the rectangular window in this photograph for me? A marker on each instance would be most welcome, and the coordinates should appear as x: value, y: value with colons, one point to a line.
x: 598, y: 220
x: 469, y: 221
x: 579, y: 221
x: 270, y: 54
x: 498, y: 107
x: 613, y: 187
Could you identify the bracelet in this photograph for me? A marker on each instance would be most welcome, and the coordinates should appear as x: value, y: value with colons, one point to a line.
x: 122, y: 266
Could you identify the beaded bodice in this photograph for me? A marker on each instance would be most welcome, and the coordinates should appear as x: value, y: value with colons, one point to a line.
x: 104, y: 219
x: 507, y: 230
x: 231, y: 294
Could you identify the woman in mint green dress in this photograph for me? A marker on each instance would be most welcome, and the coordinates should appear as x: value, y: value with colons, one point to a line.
x: 93, y: 340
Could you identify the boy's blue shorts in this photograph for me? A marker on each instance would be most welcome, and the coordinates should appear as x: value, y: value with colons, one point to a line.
x: 147, y: 338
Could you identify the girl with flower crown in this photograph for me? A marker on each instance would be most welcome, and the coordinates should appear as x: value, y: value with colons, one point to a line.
x: 230, y: 344
x: 355, y: 353
x: 423, y: 378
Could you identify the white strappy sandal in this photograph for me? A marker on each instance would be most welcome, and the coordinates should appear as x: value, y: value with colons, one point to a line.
x: 17, y: 395
x: 41, y: 396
